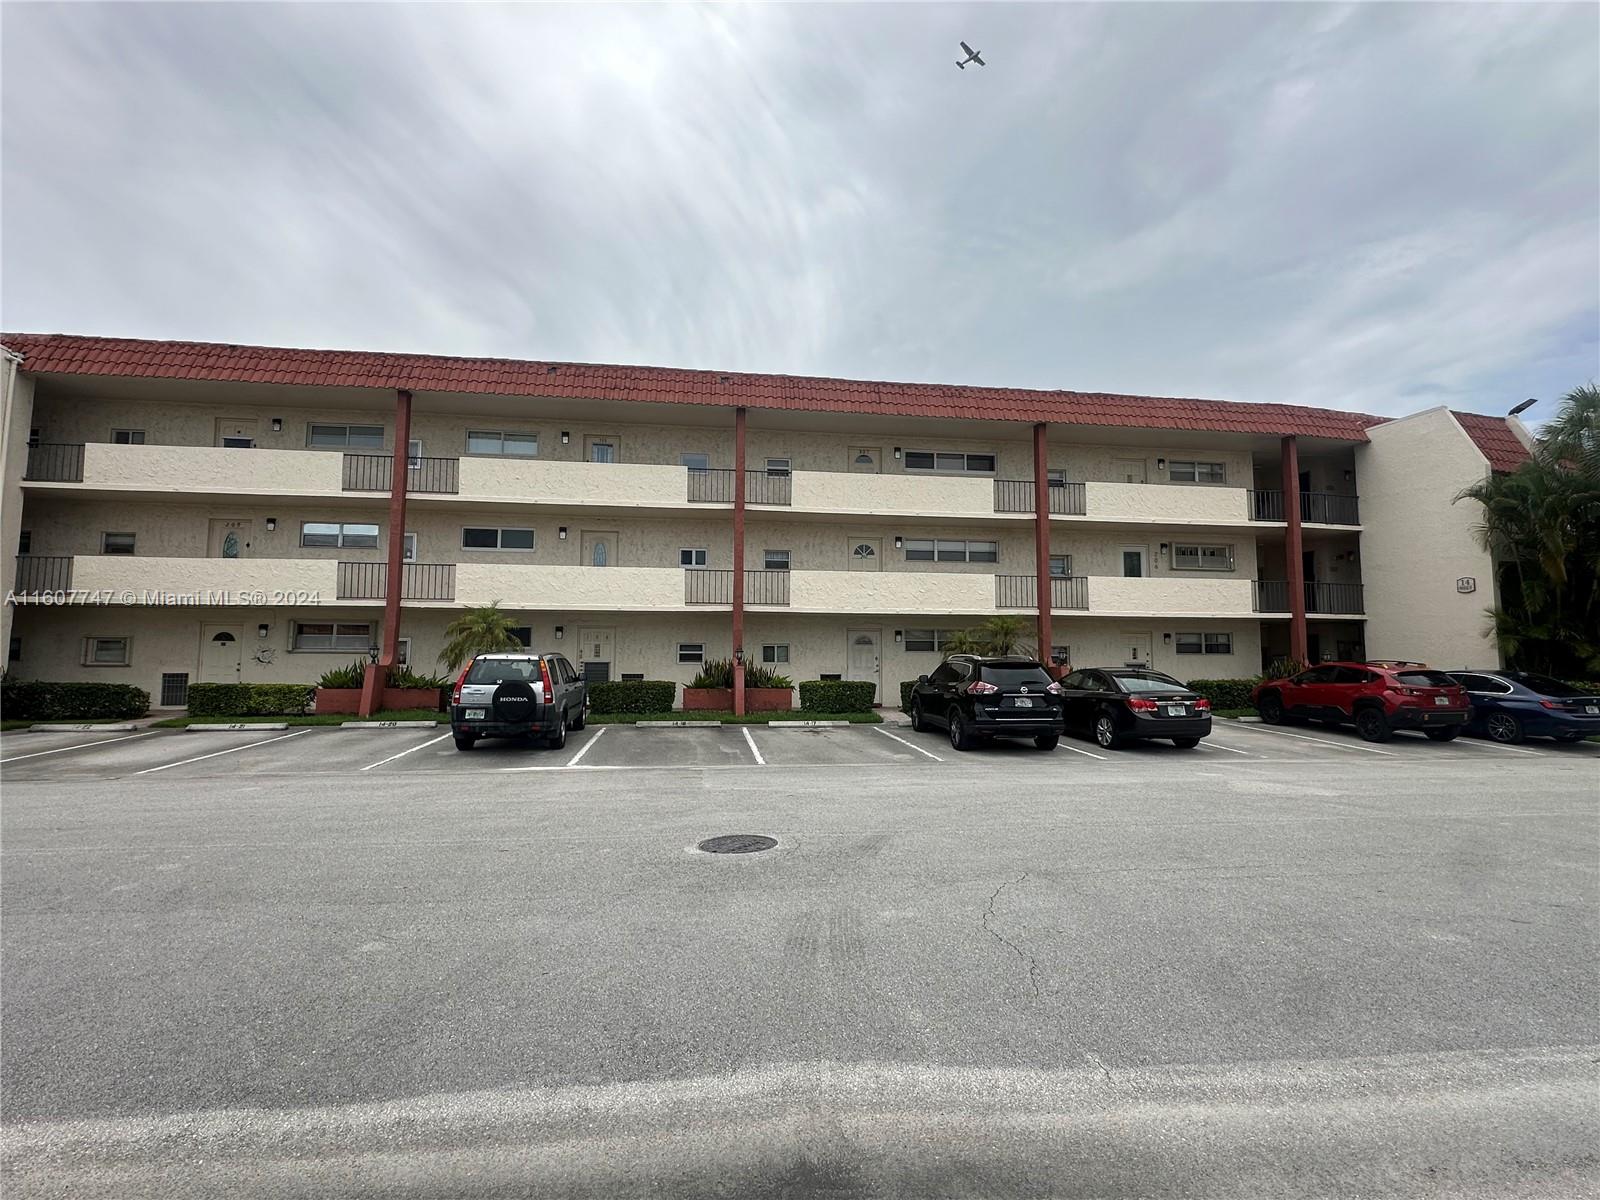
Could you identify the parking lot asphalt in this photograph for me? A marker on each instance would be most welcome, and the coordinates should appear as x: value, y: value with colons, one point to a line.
x: 350, y: 962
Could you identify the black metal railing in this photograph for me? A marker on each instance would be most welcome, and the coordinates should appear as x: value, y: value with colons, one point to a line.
x: 763, y: 487
x: 374, y: 473
x: 42, y: 573
x: 55, y: 462
x: 418, y: 581
x: 1021, y: 591
x: 1326, y: 508
x: 1016, y: 495
x: 714, y: 485
x: 1272, y: 595
x: 1333, y: 597
x: 1265, y: 506
x: 1316, y: 508
x: 716, y: 587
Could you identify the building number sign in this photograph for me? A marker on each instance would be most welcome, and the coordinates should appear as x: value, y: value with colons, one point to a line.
x: 1466, y: 584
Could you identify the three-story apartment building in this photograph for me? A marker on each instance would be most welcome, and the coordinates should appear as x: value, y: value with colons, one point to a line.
x: 184, y: 512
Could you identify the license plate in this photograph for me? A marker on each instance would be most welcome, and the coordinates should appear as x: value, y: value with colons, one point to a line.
x: 1591, y: 708
x: 1441, y: 701
x: 477, y: 714
x: 1176, y: 710
x: 1022, y: 702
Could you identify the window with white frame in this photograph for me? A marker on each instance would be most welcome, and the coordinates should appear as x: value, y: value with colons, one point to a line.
x: 344, y: 437
x: 1060, y: 566
x: 107, y: 651
x: 778, y: 467
x: 691, y: 652
x: 776, y: 560
x: 127, y: 437
x: 1194, y: 471
x: 1194, y: 556
x: 414, y: 454
x: 949, y: 460
x: 1203, y: 643
x: 344, y: 534
x: 487, y: 537
x: 946, y: 550
x: 1056, y: 478
x: 776, y: 652
x: 408, y: 551
x: 503, y: 442
x: 692, y: 558
x: 116, y: 543
x: 921, y: 640
x: 333, y: 636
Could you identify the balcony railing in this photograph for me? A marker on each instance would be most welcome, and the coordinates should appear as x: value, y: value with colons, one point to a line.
x: 1316, y: 508
x: 1016, y: 495
x: 372, y: 473
x: 418, y: 581
x: 716, y: 587
x: 1272, y: 595
x: 42, y: 573
x: 714, y: 485
x: 1020, y: 591
x: 55, y: 462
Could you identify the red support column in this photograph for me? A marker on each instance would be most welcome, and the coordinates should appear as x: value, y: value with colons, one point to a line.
x: 378, y: 673
x: 738, y: 560
x: 1041, y: 536
x: 1292, y: 546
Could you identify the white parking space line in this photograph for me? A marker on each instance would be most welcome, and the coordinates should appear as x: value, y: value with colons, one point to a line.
x: 83, y: 746
x: 1321, y: 741
x: 1494, y: 746
x: 219, y: 753
x: 752, y: 742
x: 913, y: 745
x: 584, y: 749
x: 1062, y: 745
x: 1220, y: 746
x: 403, y: 753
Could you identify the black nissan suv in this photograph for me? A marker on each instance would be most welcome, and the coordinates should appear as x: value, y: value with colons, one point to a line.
x: 974, y: 696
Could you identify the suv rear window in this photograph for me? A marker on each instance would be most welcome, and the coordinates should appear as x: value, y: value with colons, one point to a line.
x: 1147, y: 683
x: 499, y: 670
x: 1014, y: 675
x: 1425, y: 679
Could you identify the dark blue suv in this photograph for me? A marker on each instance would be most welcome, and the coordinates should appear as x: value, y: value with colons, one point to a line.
x: 1508, y: 706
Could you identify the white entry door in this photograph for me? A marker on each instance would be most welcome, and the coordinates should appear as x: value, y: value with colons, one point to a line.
x: 238, y: 432
x: 866, y: 460
x: 866, y: 554
x: 1130, y: 470
x: 221, y: 653
x: 595, y: 650
x: 1136, y: 645
x: 230, y: 538
x: 599, y: 548
x: 862, y: 660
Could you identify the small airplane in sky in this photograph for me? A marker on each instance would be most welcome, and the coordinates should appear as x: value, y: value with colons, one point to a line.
x: 972, y: 56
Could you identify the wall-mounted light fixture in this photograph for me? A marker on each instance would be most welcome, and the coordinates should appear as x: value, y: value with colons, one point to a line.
x: 1161, y: 464
x: 565, y: 437
x: 272, y: 523
x: 277, y: 424
x: 1349, y: 476
x: 738, y: 654
x: 1163, y: 547
x: 373, y: 651
x: 897, y: 451
x: 561, y: 632
x: 261, y: 630
x: 897, y: 634
x: 1166, y: 637
x: 562, y: 533
x: 898, y: 541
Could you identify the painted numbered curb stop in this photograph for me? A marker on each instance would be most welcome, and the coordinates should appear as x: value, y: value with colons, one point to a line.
x: 237, y: 727
x: 390, y: 724
x: 81, y: 728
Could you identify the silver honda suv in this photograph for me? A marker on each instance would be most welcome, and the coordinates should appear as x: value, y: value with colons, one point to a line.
x: 518, y: 695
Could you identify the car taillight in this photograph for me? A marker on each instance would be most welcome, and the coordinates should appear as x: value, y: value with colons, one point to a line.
x: 455, y: 696
x: 1140, y: 704
x: 544, y: 674
x: 979, y: 688
x: 1549, y: 704
x: 1404, y: 691
x: 1203, y: 703
x: 1054, y: 689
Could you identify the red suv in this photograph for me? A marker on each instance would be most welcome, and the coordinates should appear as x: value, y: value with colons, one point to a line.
x: 1377, y: 697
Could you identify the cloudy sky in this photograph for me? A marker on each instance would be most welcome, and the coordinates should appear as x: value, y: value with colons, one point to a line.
x: 1373, y: 206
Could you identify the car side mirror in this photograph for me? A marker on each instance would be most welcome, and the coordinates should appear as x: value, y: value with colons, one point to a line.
x: 922, y: 679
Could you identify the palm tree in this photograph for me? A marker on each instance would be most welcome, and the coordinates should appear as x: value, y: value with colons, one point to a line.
x: 482, y: 630
x: 964, y: 641
x: 1542, y: 521
x: 1004, y: 635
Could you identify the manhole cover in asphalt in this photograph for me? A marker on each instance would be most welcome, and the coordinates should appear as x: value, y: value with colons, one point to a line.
x: 737, y: 843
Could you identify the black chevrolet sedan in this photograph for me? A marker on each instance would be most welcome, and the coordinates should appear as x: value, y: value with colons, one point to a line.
x: 1118, y: 705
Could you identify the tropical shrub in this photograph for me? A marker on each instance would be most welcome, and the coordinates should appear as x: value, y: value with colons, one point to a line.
x: 837, y: 695
x: 36, y: 700
x: 352, y: 676
x: 717, y: 673
x: 483, y: 630
x: 1224, y: 693
x: 633, y: 696
x: 249, y: 699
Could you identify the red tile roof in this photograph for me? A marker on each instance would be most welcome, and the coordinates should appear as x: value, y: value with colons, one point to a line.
x: 1494, y: 436
x: 68, y: 354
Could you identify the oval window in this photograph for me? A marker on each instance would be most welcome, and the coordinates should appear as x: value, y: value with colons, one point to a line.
x: 599, y: 555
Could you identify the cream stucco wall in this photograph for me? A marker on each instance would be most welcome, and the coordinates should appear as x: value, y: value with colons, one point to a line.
x: 1171, y: 595
x: 213, y: 469
x: 1174, y: 504
x: 1417, y: 542
x: 228, y: 580
x: 16, y: 416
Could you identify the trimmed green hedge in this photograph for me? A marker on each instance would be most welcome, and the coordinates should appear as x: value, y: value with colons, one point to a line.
x: 1224, y: 693
x: 837, y: 695
x: 249, y: 699
x: 905, y: 695
x: 36, y: 700
x: 633, y: 696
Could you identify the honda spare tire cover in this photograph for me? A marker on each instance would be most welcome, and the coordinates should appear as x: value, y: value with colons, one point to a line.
x: 513, y: 701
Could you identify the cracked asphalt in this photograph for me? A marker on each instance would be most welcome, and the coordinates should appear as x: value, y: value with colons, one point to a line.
x: 1006, y: 974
